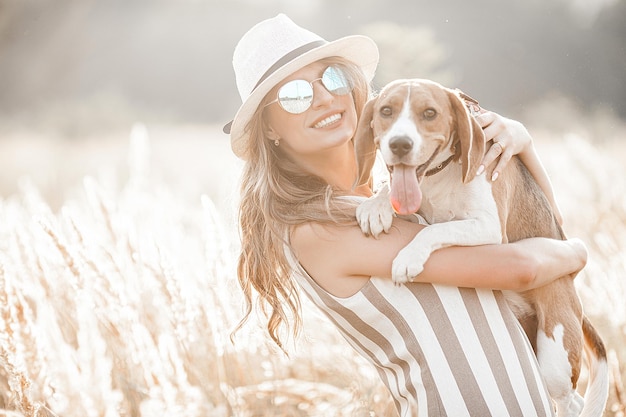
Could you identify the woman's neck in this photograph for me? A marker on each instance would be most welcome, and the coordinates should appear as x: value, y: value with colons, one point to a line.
x: 336, y: 167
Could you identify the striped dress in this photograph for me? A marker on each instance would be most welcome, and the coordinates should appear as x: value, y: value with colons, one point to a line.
x: 440, y: 350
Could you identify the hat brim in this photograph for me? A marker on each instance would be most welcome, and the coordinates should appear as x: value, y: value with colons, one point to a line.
x: 357, y: 49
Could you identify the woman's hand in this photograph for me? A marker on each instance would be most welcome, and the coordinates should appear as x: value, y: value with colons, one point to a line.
x: 510, y: 138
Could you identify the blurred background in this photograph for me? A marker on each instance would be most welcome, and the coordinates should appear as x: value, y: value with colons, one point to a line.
x: 76, y: 74
x: 171, y: 60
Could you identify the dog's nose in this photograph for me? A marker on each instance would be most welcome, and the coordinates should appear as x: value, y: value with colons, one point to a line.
x: 400, y: 145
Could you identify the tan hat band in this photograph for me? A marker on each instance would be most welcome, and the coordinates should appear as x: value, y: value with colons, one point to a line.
x: 288, y: 58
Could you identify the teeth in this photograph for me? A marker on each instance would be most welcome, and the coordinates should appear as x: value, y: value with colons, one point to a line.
x: 328, y: 121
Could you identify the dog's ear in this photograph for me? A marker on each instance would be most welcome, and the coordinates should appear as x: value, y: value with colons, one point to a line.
x: 364, y: 146
x: 469, y: 135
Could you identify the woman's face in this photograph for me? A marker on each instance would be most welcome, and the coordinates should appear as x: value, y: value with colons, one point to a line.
x: 329, y: 123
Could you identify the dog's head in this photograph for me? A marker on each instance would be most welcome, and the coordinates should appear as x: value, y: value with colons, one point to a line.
x: 417, y: 125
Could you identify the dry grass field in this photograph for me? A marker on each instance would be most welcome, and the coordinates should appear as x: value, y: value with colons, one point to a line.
x: 118, y: 293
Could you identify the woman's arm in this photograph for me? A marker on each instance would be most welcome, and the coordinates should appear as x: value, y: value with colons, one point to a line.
x: 341, y: 259
x: 517, y: 141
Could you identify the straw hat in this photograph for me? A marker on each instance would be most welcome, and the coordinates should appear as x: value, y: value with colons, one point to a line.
x: 274, y: 49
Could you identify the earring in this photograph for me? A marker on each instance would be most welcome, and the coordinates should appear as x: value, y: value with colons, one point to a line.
x: 276, y: 142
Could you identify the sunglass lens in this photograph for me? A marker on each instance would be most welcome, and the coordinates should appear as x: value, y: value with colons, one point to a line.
x: 336, y: 81
x: 295, y: 96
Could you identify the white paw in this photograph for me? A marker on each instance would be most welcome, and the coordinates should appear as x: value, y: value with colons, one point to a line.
x: 375, y: 215
x: 408, y: 264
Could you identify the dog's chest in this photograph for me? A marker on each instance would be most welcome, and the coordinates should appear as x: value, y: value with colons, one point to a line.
x: 436, y: 210
x: 445, y: 198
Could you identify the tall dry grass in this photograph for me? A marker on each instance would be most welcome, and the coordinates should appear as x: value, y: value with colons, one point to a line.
x: 120, y: 302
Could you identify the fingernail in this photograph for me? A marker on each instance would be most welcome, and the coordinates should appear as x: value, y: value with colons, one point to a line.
x: 494, y: 176
x: 481, y: 169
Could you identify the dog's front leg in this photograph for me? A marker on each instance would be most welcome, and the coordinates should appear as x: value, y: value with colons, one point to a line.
x: 375, y: 214
x: 470, y: 232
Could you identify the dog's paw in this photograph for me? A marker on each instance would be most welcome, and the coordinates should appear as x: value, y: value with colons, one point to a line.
x: 375, y: 216
x: 407, y: 265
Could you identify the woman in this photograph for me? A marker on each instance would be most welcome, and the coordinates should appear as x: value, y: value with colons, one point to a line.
x: 446, y: 344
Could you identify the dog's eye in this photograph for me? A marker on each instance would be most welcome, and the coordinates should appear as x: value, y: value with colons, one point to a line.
x: 430, y: 114
x: 386, y: 111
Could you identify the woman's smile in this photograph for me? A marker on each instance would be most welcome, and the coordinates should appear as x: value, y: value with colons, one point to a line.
x: 327, y: 121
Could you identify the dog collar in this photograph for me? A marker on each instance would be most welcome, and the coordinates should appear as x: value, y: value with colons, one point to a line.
x: 439, y: 167
x: 471, y: 103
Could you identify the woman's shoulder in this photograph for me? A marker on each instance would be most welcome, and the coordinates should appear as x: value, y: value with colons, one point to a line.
x: 314, y: 240
x: 306, y: 234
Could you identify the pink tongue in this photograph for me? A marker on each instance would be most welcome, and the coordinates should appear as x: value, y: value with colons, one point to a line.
x: 406, y: 196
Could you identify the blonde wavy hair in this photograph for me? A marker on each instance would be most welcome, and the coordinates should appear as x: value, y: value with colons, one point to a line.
x: 276, y: 195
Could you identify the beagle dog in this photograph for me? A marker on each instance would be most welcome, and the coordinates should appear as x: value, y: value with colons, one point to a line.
x: 432, y: 147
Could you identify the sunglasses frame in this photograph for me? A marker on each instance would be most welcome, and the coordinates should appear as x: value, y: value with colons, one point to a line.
x: 336, y: 68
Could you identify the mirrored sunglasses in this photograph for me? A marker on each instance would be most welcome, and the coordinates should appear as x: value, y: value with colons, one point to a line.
x: 296, y: 96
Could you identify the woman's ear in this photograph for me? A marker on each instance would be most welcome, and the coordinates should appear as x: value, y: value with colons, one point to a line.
x: 271, y: 134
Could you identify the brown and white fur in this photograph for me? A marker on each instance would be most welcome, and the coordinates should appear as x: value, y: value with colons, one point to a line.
x: 420, y: 126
